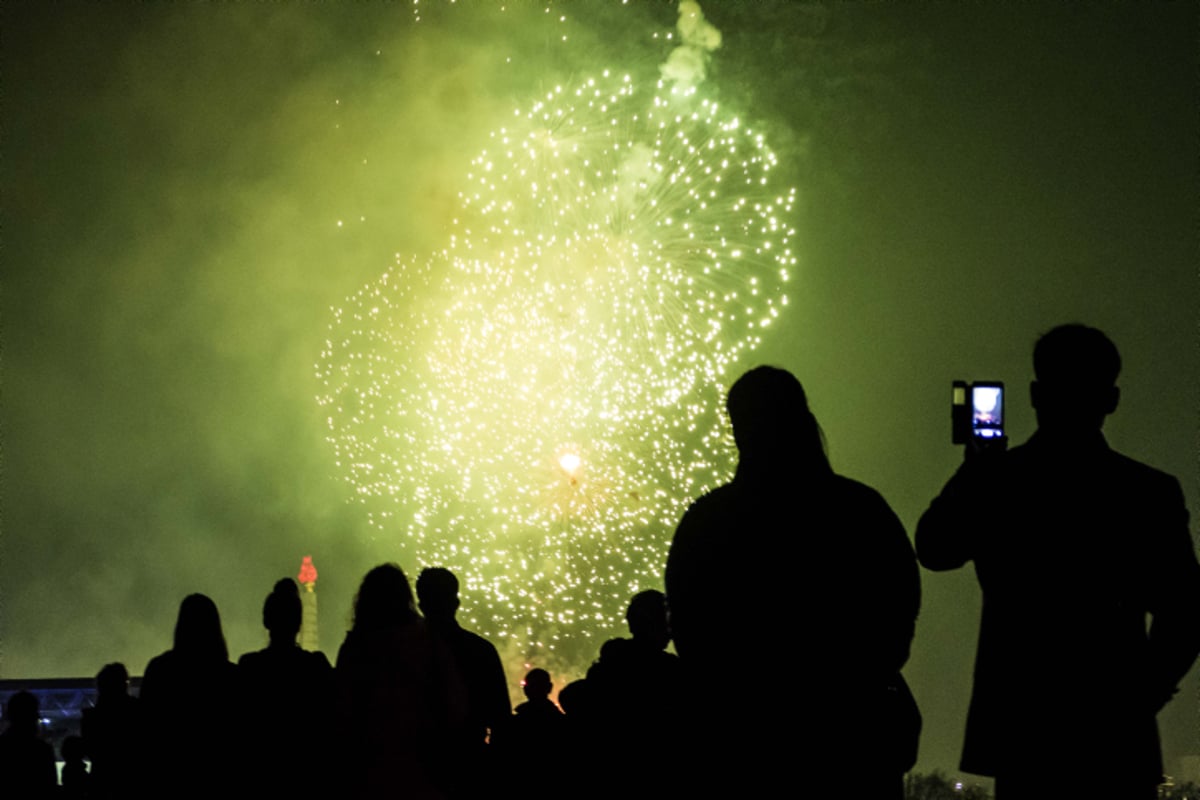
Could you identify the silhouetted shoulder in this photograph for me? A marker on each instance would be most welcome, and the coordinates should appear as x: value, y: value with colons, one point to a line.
x: 720, y: 501
x: 295, y: 658
x: 1140, y: 474
x: 698, y: 537
x: 860, y: 497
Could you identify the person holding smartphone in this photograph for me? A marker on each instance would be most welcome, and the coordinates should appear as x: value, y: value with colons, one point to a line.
x: 1076, y: 547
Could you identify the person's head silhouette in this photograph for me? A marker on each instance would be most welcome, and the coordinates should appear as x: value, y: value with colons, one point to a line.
x: 772, y: 424
x: 21, y: 713
x: 112, y: 682
x: 437, y: 593
x: 647, y: 618
x: 537, y: 684
x: 1075, y: 369
x: 198, y: 629
x: 384, y: 600
x: 283, y: 612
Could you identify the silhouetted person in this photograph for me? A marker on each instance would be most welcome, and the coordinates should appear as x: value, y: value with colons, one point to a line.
x: 27, y: 768
x: 189, y: 702
x: 636, y: 689
x: 1074, y: 547
x: 585, y: 769
x: 639, y: 672
x: 291, y: 692
x: 399, y: 696
x: 482, y: 673
x: 537, y: 729
x: 577, y: 703
x: 113, y: 736
x: 538, y: 705
x: 76, y: 782
x: 794, y: 566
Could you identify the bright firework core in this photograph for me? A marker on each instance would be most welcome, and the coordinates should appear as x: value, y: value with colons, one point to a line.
x: 617, y: 251
x: 570, y: 462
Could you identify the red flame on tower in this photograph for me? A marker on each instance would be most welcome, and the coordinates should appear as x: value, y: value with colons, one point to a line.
x: 308, y: 573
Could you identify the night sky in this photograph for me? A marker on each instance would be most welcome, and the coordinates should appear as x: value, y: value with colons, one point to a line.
x: 173, y: 177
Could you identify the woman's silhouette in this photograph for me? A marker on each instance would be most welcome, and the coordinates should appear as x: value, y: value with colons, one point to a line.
x: 189, y: 699
x: 795, y: 566
x: 398, y: 694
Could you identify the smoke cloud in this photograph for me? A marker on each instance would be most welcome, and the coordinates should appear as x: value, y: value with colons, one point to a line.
x: 687, y: 64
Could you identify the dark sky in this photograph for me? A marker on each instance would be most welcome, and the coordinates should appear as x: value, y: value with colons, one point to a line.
x: 172, y: 175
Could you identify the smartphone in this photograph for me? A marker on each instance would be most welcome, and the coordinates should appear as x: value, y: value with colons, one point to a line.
x: 977, y: 411
x: 987, y: 410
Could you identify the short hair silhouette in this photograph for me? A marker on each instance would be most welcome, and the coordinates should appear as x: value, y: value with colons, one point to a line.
x: 1076, y: 369
x: 537, y: 683
x: 198, y: 628
x: 384, y: 599
x: 647, y: 618
x: 437, y: 591
x: 282, y: 611
x: 1076, y: 354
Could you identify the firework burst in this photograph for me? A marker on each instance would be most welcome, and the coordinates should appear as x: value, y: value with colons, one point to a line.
x: 534, y: 406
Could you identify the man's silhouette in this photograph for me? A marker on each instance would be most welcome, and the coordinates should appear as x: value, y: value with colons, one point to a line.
x: 793, y: 566
x: 636, y: 693
x: 479, y: 665
x: 1074, y: 547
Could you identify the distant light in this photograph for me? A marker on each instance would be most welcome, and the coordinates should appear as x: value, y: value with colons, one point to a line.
x: 570, y: 462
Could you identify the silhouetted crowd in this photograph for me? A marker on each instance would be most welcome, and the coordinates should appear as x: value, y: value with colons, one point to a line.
x: 416, y: 706
x: 788, y: 676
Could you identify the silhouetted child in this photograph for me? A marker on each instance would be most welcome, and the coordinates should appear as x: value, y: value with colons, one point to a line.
x: 538, y: 705
x: 27, y: 768
x: 76, y: 782
x: 537, y: 728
